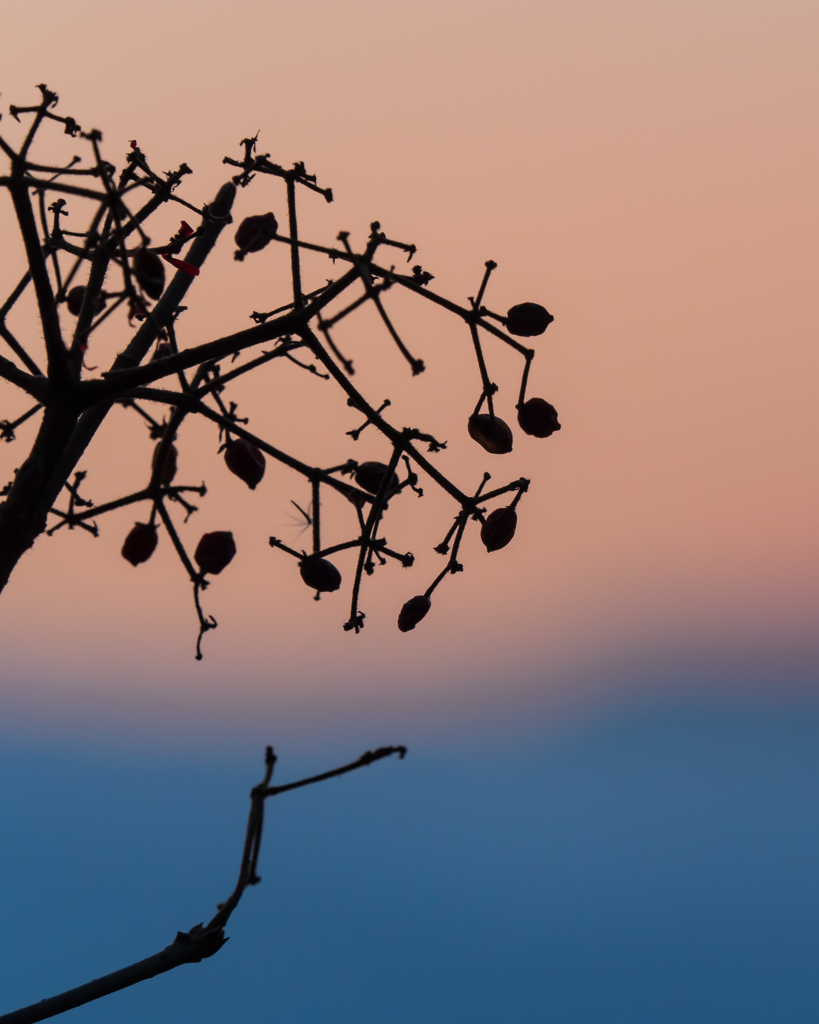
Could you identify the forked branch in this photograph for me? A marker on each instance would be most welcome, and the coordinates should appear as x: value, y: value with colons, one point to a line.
x: 203, y: 940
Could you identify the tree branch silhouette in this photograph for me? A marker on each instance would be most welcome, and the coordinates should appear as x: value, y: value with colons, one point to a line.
x: 111, y: 272
x: 203, y: 940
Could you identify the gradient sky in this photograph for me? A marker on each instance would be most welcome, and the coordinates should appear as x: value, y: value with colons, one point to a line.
x: 645, y: 170
x: 648, y: 172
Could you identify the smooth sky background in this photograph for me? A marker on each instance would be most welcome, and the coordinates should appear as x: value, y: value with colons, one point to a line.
x: 648, y: 172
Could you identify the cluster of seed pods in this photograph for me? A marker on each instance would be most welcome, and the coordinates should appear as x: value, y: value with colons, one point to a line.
x: 183, y: 375
x: 535, y: 416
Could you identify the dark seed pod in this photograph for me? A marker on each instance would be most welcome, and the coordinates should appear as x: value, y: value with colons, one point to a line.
x: 492, y: 434
x: 320, y: 574
x: 538, y: 418
x: 214, y: 551
x: 169, y: 466
x: 369, y: 475
x: 412, y: 612
x: 149, y: 270
x: 245, y: 460
x: 499, y: 528
x: 74, y: 300
x: 254, y: 233
x: 528, y: 319
x: 140, y: 543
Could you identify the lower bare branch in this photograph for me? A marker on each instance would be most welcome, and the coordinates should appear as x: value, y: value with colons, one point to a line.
x: 202, y: 941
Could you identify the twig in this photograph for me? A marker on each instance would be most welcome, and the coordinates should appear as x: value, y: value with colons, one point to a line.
x: 203, y: 940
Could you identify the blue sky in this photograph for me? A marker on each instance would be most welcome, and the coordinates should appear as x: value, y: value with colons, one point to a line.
x: 651, y: 862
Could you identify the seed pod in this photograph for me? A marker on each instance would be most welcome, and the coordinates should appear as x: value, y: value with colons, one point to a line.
x: 412, y: 612
x: 254, y: 233
x: 149, y: 270
x: 245, y: 460
x: 369, y: 475
x: 214, y: 551
x: 74, y: 300
x: 169, y: 466
x: 140, y: 543
x: 538, y: 418
x: 492, y: 434
x: 320, y: 574
x: 499, y: 528
x: 528, y: 319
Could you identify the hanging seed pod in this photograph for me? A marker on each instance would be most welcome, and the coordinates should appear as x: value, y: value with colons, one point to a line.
x: 528, y: 319
x: 320, y: 574
x: 75, y: 297
x: 245, y: 460
x: 369, y: 475
x: 169, y: 467
x: 499, y: 528
x: 149, y: 270
x: 492, y: 434
x: 538, y: 418
x: 412, y: 612
x: 254, y: 233
x: 140, y: 543
x: 214, y: 551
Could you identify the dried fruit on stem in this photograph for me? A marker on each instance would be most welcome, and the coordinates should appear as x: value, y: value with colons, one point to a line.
x: 528, y: 319
x: 75, y: 297
x: 254, y: 233
x: 214, y: 551
x: 538, y: 418
x: 369, y: 475
x: 149, y: 270
x: 412, y: 612
x: 499, y: 528
x: 320, y: 574
x: 140, y: 543
x: 245, y: 460
x: 491, y: 433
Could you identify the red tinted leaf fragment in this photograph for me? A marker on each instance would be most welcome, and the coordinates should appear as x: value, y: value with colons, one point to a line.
x: 187, y: 268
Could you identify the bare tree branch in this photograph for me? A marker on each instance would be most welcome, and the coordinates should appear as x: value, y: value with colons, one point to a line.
x: 203, y: 940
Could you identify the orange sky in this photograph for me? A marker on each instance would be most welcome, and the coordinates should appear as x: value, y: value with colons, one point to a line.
x: 647, y: 171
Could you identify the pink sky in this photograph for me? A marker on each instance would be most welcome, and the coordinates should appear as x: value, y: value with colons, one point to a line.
x: 647, y: 171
